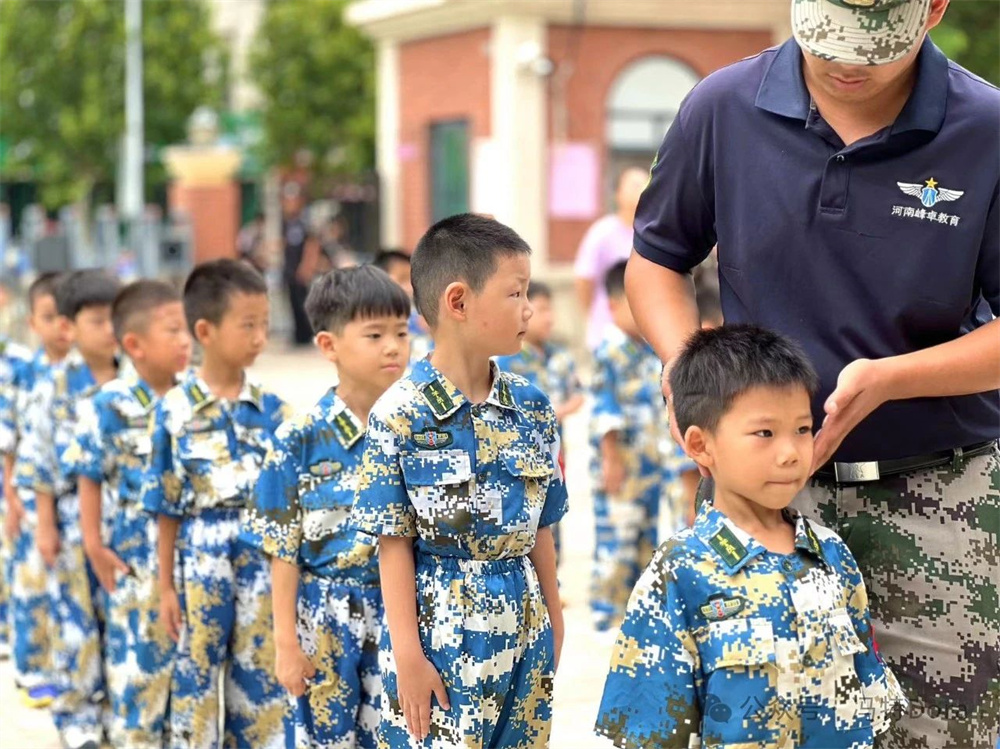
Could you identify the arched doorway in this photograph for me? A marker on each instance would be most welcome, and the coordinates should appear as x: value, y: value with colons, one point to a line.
x: 641, y: 104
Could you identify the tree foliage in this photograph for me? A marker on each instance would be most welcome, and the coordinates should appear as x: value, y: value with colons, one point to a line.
x: 62, y: 79
x: 316, y: 77
x: 970, y: 35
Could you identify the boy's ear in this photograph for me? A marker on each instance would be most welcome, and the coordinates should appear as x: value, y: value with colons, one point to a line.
x: 131, y: 346
x: 326, y: 342
x: 455, y: 297
x: 696, y: 445
x: 202, y: 330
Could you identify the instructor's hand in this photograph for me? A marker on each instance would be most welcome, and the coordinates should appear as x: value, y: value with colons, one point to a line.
x: 860, y: 390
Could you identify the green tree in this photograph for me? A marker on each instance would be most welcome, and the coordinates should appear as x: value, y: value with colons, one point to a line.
x: 316, y: 77
x: 62, y: 78
x: 970, y: 35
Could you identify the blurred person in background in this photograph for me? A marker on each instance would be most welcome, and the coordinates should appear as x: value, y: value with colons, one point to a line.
x: 301, y: 251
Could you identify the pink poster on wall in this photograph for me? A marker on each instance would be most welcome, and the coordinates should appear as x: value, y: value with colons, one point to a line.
x: 574, y: 178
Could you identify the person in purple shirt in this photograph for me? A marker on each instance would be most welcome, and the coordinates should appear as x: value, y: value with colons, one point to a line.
x: 607, y: 241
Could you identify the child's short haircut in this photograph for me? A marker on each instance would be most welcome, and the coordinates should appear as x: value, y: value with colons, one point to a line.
x: 131, y: 309
x: 347, y: 294
x: 212, y: 285
x: 385, y: 258
x: 45, y: 285
x: 466, y: 247
x: 614, y: 280
x: 539, y: 289
x: 718, y: 365
x: 81, y: 289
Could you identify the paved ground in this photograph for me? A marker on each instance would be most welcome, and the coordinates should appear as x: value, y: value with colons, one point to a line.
x: 301, y: 377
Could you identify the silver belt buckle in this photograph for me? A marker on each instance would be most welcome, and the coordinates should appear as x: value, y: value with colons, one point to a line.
x: 855, y: 473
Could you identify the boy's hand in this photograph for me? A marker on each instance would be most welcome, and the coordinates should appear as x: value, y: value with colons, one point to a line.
x: 47, y: 541
x: 12, y: 520
x: 612, y: 471
x: 292, y: 668
x: 106, y: 564
x: 170, y: 613
x: 417, y: 679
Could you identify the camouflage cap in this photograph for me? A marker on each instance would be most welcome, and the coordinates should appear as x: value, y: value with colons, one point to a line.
x: 859, y: 32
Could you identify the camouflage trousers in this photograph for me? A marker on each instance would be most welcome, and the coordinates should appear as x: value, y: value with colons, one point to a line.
x: 339, y: 628
x: 78, y: 609
x: 30, y: 605
x: 139, y: 653
x: 484, y: 626
x: 927, y: 546
x: 227, y: 631
x: 625, y: 537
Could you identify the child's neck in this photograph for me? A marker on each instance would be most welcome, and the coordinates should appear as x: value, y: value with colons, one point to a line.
x: 55, y: 355
x: 101, y: 368
x: 765, y: 524
x: 223, y: 379
x: 159, y: 380
x: 359, y: 397
x: 471, y: 374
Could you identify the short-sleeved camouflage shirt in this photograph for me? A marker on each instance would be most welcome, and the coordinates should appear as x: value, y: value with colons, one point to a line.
x: 726, y: 642
x: 468, y: 480
x: 13, y: 359
x: 301, y: 508
x: 207, y: 452
x: 551, y: 369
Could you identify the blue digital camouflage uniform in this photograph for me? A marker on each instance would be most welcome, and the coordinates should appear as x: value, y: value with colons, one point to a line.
x: 206, y: 458
x: 301, y: 513
x: 627, y: 400
x: 552, y: 370
x: 729, y: 644
x: 30, y: 604
x: 13, y: 358
x: 471, y: 483
x: 78, y: 603
x: 111, y: 448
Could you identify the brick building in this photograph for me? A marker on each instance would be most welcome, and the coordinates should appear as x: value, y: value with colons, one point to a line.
x: 526, y: 109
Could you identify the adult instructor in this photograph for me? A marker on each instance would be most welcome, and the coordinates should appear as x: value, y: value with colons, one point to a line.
x: 850, y: 179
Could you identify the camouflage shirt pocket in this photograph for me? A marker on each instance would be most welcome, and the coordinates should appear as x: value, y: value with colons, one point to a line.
x: 212, y: 446
x: 437, y: 482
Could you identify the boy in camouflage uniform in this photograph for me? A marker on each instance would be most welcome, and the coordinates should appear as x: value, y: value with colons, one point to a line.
x: 461, y: 482
x: 84, y: 300
x: 327, y: 626
x: 629, y: 437
x: 752, y: 628
x: 397, y: 264
x: 108, y: 456
x: 30, y: 617
x: 13, y: 358
x: 211, y: 433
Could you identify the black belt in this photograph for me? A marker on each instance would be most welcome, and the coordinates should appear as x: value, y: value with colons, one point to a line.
x: 857, y: 473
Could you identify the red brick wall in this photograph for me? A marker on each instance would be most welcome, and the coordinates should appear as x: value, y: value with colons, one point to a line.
x: 602, y: 54
x: 214, y: 214
x: 444, y: 78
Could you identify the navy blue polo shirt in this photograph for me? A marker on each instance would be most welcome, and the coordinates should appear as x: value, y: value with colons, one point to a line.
x: 884, y: 247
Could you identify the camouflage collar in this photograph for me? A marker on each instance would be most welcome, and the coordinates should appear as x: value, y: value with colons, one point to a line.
x: 445, y: 399
x: 783, y: 91
x: 805, y: 537
x: 348, y: 427
x: 200, y: 395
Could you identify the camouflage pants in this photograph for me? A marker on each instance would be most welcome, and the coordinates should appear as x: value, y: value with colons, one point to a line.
x: 339, y: 628
x: 927, y: 546
x: 139, y: 653
x: 30, y: 605
x: 78, y: 607
x: 625, y: 537
x: 228, y: 631
x: 484, y: 626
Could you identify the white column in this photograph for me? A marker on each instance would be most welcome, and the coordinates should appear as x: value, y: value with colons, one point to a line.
x: 387, y: 141
x: 518, y: 128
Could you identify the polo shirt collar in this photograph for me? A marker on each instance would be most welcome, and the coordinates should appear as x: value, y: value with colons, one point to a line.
x: 200, y: 395
x: 783, y: 89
